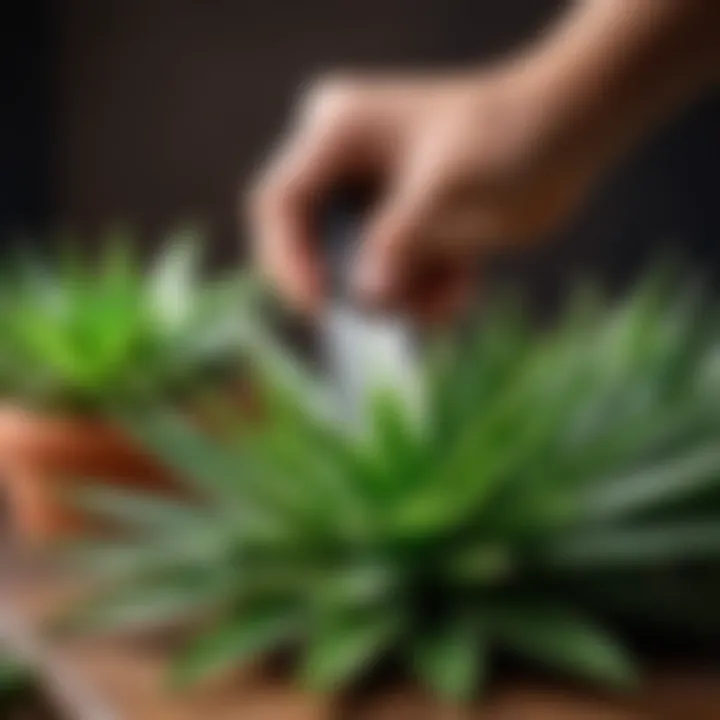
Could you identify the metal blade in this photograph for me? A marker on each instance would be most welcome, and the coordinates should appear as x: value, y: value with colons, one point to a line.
x: 363, y: 352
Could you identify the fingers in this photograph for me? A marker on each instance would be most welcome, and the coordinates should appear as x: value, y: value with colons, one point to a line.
x: 441, y: 293
x: 388, y: 253
x: 282, y: 215
x: 409, y: 258
x: 408, y: 262
x: 329, y: 143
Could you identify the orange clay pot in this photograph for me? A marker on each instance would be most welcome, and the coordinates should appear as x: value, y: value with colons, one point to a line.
x: 42, y: 457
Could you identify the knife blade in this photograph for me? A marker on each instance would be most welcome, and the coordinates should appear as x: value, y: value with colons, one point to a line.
x: 364, y: 352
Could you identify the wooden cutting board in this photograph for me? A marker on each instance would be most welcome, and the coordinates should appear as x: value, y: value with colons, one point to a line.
x: 123, y: 679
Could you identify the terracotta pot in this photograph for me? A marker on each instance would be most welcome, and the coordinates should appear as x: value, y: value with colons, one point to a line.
x: 42, y: 457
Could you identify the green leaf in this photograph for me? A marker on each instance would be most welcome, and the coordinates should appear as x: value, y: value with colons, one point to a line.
x: 134, y: 559
x: 147, y: 603
x: 652, y: 545
x: 465, y: 474
x: 139, y: 510
x: 356, y: 586
x: 87, y: 335
x: 320, y: 477
x: 204, y: 465
x: 452, y: 660
x: 345, y: 646
x: 480, y: 562
x: 396, y: 440
x: 235, y: 481
x: 564, y: 641
x: 675, y: 478
x: 42, y: 338
x: 173, y: 281
x: 236, y: 642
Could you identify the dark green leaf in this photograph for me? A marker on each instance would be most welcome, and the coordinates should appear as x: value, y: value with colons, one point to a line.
x: 644, y: 545
x: 562, y: 640
x: 642, y: 490
x: 452, y: 660
x: 345, y: 646
x: 236, y: 642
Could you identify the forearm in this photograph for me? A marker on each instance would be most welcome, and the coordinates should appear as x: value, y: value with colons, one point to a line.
x: 615, y: 69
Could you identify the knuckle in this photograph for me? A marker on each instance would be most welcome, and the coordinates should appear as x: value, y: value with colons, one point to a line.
x: 334, y: 97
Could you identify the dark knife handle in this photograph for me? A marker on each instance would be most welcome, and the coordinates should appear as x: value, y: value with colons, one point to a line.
x: 343, y: 222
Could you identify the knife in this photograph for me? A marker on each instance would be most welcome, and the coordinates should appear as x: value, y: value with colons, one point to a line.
x: 365, y: 352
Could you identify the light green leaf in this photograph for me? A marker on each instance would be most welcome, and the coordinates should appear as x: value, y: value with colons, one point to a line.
x: 675, y: 478
x: 452, y: 660
x: 356, y: 586
x: 134, y: 559
x: 345, y: 646
x: 139, y: 510
x: 173, y: 281
x: 148, y: 603
x: 656, y: 544
x: 204, y: 465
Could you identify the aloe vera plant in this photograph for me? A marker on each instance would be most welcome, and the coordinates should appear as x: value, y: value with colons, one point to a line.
x: 555, y: 481
x: 80, y: 335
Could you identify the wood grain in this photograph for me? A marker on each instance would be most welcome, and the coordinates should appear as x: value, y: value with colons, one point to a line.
x: 125, y: 677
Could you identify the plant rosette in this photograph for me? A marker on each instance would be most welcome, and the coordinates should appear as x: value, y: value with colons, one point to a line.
x: 556, y: 489
x: 81, y: 340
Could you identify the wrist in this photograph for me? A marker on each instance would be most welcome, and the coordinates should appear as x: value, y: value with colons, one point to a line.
x: 613, y: 70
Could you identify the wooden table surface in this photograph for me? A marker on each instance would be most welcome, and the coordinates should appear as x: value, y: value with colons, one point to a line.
x: 123, y: 679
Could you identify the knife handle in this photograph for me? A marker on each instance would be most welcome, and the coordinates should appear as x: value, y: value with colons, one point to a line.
x: 343, y: 223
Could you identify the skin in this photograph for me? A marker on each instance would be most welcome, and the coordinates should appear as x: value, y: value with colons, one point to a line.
x: 477, y: 160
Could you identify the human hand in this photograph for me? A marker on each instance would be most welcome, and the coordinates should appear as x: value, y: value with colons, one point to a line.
x: 463, y: 165
x: 467, y: 163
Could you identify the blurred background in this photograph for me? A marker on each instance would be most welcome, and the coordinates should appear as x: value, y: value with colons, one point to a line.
x: 156, y: 111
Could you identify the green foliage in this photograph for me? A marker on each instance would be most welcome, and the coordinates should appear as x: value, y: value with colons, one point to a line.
x: 83, y: 335
x: 13, y: 677
x: 555, y: 482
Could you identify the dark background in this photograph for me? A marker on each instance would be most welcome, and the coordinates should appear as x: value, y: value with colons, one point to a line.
x: 154, y: 111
